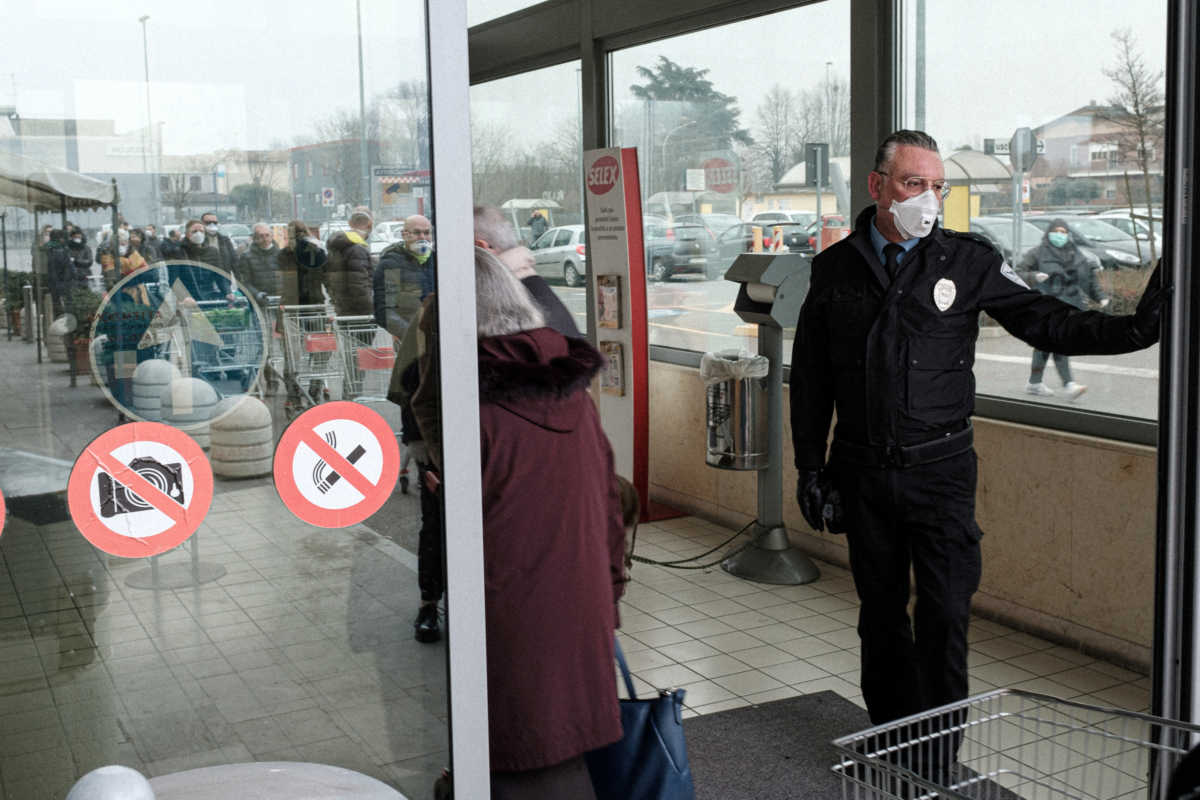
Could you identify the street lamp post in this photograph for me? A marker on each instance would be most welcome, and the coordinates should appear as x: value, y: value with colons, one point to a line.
x: 148, y: 142
x: 365, y: 169
x: 828, y: 104
x: 665, y: 152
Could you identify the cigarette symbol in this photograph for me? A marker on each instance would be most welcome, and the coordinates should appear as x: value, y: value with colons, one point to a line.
x: 325, y: 483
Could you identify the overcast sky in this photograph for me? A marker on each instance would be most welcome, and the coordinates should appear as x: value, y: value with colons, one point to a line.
x: 232, y: 74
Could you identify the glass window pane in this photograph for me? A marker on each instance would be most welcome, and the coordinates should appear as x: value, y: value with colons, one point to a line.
x: 1094, y: 169
x: 261, y: 637
x: 526, y: 160
x: 483, y: 10
x: 720, y: 119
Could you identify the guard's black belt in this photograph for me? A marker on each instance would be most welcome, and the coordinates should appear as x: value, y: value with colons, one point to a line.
x: 951, y: 444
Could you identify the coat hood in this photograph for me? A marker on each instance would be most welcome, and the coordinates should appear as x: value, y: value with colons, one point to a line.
x: 537, y: 375
x: 344, y: 240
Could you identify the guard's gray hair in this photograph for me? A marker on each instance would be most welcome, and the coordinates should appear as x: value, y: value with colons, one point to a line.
x: 887, y: 148
x: 494, y: 228
x: 360, y: 219
x: 502, y: 305
x: 262, y: 225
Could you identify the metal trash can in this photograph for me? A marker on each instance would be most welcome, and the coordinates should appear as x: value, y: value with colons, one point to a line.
x: 736, y: 406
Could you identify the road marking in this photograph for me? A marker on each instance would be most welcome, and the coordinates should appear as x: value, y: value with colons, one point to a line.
x: 1082, y: 366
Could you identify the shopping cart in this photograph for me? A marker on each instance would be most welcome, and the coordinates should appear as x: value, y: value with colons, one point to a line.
x: 236, y: 352
x: 312, y: 371
x: 367, y: 353
x: 1013, y: 744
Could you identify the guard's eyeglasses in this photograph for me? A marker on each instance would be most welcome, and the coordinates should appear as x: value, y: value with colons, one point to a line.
x: 916, y: 186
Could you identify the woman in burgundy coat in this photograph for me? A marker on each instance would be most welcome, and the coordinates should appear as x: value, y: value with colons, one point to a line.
x: 553, y: 547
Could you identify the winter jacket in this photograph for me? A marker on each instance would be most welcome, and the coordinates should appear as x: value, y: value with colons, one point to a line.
x: 348, y: 274
x: 552, y: 571
x: 60, y: 272
x: 1069, y: 275
x: 258, y: 271
x: 401, y: 284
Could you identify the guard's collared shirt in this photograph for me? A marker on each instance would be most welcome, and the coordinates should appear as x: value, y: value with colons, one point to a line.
x: 895, y: 357
x: 878, y: 242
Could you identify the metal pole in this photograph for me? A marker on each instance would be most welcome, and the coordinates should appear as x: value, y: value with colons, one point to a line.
x: 919, y: 70
x: 149, y: 142
x: 4, y: 241
x: 820, y: 222
x: 364, y: 167
x: 1016, y: 207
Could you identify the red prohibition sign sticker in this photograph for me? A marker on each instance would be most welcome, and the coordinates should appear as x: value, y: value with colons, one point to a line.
x: 3, y: 513
x: 140, y: 489
x: 336, y: 464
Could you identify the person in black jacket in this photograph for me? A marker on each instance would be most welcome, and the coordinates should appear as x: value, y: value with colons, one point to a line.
x: 405, y: 276
x: 1060, y: 269
x: 81, y: 255
x: 258, y: 269
x: 226, y: 253
x: 348, y: 274
x: 60, y: 272
x: 886, y: 336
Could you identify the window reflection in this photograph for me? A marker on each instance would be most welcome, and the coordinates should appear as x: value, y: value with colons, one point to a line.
x: 1098, y: 136
x: 225, y: 287
x: 721, y: 154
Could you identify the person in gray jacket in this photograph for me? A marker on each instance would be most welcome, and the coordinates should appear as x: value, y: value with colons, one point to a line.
x: 258, y: 269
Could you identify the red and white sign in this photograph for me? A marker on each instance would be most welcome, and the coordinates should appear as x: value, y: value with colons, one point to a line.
x: 602, y: 175
x: 336, y: 464
x: 719, y: 175
x: 3, y: 513
x: 140, y: 489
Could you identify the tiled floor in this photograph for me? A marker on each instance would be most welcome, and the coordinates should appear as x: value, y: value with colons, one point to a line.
x: 731, y: 642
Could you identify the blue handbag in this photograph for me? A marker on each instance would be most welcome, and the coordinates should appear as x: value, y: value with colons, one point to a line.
x: 650, y: 761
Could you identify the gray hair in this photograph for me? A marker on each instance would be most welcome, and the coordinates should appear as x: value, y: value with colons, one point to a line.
x: 262, y: 225
x: 887, y: 148
x: 360, y: 219
x: 502, y: 305
x: 494, y: 228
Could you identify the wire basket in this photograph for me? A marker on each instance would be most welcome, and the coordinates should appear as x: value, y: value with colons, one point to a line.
x: 1010, y: 744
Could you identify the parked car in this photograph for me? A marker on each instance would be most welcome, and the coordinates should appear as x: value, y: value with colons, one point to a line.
x: 675, y: 249
x: 1112, y: 247
x: 239, y: 233
x: 383, y: 236
x: 772, y: 217
x: 740, y: 239
x: 715, y: 224
x: 999, y: 231
x: 1139, y: 228
x: 562, y: 253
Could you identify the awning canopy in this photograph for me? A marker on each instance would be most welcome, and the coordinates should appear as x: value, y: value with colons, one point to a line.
x: 528, y: 203
x: 33, y: 186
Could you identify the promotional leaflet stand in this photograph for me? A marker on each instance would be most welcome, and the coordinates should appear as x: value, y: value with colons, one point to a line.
x: 773, y: 287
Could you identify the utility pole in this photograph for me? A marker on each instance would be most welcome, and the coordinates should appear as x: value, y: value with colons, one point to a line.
x: 365, y: 168
x: 148, y: 142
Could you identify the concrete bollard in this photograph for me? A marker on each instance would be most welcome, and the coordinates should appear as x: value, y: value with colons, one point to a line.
x: 150, y: 380
x: 188, y: 404
x: 243, y: 440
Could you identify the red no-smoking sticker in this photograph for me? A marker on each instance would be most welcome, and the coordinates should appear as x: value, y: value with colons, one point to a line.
x: 140, y: 489
x: 3, y: 513
x: 336, y: 464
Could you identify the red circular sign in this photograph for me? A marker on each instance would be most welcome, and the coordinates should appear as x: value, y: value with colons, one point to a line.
x: 719, y: 175
x: 602, y: 175
x: 140, y: 489
x: 336, y: 464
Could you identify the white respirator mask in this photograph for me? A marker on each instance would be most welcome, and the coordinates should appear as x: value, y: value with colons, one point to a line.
x: 915, y: 216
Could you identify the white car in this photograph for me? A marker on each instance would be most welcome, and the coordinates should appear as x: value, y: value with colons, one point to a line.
x: 1133, y: 226
x: 383, y: 236
x: 561, y: 252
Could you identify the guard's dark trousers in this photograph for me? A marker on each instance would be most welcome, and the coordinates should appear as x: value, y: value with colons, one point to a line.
x: 923, y: 516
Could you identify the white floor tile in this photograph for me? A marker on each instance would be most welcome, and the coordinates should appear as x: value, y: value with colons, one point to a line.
x: 732, y: 642
x: 660, y: 636
x: 717, y: 666
x: 771, y: 695
x: 764, y: 656
x: 668, y: 676
x: 794, y: 672
x: 724, y: 705
x: 688, y: 651
x: 706, y: 627
x: 749, y: 682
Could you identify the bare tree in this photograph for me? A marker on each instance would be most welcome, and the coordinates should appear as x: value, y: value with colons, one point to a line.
x: 775, y: 125
x: 342, y: 130
x: 408, y: 116
x: 1136, y: 111
x: 179, y: 193
x: 264, y: 166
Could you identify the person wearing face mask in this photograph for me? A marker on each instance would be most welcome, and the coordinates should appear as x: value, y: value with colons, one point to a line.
x: 348, y: 274
x: 199, y: 246
x: 405, y: 276
x: 1058, y: 268
x: 886, y: 337
x: 127, y: 259
x: 226, y: 253
x: 258, y: 269
x: 151, y: 247
x: 81, y: 256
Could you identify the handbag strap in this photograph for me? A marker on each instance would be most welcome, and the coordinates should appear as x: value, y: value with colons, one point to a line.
x: 624, y: 669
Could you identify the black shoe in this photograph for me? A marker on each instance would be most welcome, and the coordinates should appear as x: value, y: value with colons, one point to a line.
x: 426, y: 624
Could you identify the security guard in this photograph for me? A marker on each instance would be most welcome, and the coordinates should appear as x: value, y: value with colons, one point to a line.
x: 887, y: 335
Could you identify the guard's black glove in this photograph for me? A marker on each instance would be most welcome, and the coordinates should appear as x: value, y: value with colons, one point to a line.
x: 1147, y: 318
x: 810, y: 495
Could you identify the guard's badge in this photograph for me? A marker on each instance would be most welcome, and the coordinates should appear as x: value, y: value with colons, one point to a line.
x: 1007, y: 271
x: 944, y: 292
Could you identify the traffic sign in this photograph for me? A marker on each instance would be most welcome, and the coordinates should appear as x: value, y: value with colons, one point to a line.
x: 336, y: 464
x: 1022, y: 149
x: 140, y: 489
x: 816, y: 163
x: 327, y: 196
x: 720, y: 175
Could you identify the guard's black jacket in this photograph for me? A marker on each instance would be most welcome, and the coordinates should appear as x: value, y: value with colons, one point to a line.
x: 896, y: 367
